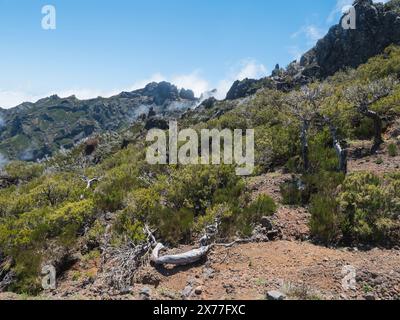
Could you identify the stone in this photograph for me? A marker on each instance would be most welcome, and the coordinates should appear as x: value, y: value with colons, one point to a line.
x: 276, y: 295
x: 209, y: 103
x: 273, y: 234
x: 161, y: 92
x: 145, y: 293
x: 242, y: 89
x: 156, y: 123
x: 208, y: 273
x: 266, y: 223
x: 186, y: 94
x: 369, y: 297
x: 229, y: 288
x: 187, y: 292
x: 198, y: 290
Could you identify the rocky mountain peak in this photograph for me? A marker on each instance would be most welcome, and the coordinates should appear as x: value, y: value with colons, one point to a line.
x: 377, y: 27
x: 165, y: 91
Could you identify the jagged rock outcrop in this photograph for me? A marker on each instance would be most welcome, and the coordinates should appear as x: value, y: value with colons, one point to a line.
x: 377, y: 27
x: 209, y: 103
x: 156, y: 123
x: 160, y: 92
x: 243, y: 88
x: 187, y: 94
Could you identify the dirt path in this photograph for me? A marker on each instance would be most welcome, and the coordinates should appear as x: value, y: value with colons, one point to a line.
x: 301, y: 269
x: 379, y: 164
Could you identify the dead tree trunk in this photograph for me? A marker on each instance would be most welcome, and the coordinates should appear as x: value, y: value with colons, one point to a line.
x: 191, y: 256
x: 178, y: 259
x: 378, y: 140
x: 341, y: 151
x: 304, y: 145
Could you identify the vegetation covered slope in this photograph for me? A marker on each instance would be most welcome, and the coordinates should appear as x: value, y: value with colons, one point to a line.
x: 49, y: 210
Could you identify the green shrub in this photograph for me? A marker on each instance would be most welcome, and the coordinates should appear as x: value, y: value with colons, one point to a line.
x: 23, y: 170
x: 392, y: 150
x: 370, y: 207
x: 263, y: 206
x: 252, y: 214
x: 173, y: 226
x: 112, y: 190
x: 127, y: 226
x: 295, y: 192
x: 25, y: 236
x: 322, y: 156
x: 364, y: 130
x: 325, y: 218
x: 234, y: 220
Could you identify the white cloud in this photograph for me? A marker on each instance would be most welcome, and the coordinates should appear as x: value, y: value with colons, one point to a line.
x: 9, y: 98
x: 86, y: 93
x: 157, y: 77
x: 248, y: 68
x: 311, y: 32
x: 251, y: 69
x: 3, y: 161
x: 295, y: 52
x: 192, y: 81
x: 340, y: 5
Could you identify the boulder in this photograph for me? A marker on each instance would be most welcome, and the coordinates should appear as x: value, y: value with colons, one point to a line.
x: 275, y: 296
x: 145, y: 293
x: 187, y: 94
x: 209, y: 103
x: 161, y: 92
x: 156, y: 123
x: 242, y: 89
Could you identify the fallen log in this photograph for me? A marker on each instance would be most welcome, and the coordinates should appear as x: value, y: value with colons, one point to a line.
x: 183, y: 259
x: 191, y: 256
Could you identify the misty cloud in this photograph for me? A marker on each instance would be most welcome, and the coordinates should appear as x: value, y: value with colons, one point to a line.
x: 3, y: 161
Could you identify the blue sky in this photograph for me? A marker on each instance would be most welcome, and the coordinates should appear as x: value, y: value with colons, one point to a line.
x: 104, y: 47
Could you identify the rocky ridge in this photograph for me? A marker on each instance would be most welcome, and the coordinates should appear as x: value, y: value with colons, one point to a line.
x: 377, y: 27
x: 31, y: 131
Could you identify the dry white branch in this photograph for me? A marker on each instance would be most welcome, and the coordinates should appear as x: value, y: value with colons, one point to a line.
x: 90, y: 182
x: 178, y: 259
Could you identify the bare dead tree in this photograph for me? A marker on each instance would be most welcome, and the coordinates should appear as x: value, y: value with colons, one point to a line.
x: 188, y: 257
x: 90, y: 182
x: 207, y: 243
x: 364, y: 97
x: 119, y: 263
x: 305, y: 105
x: 340, y: 149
